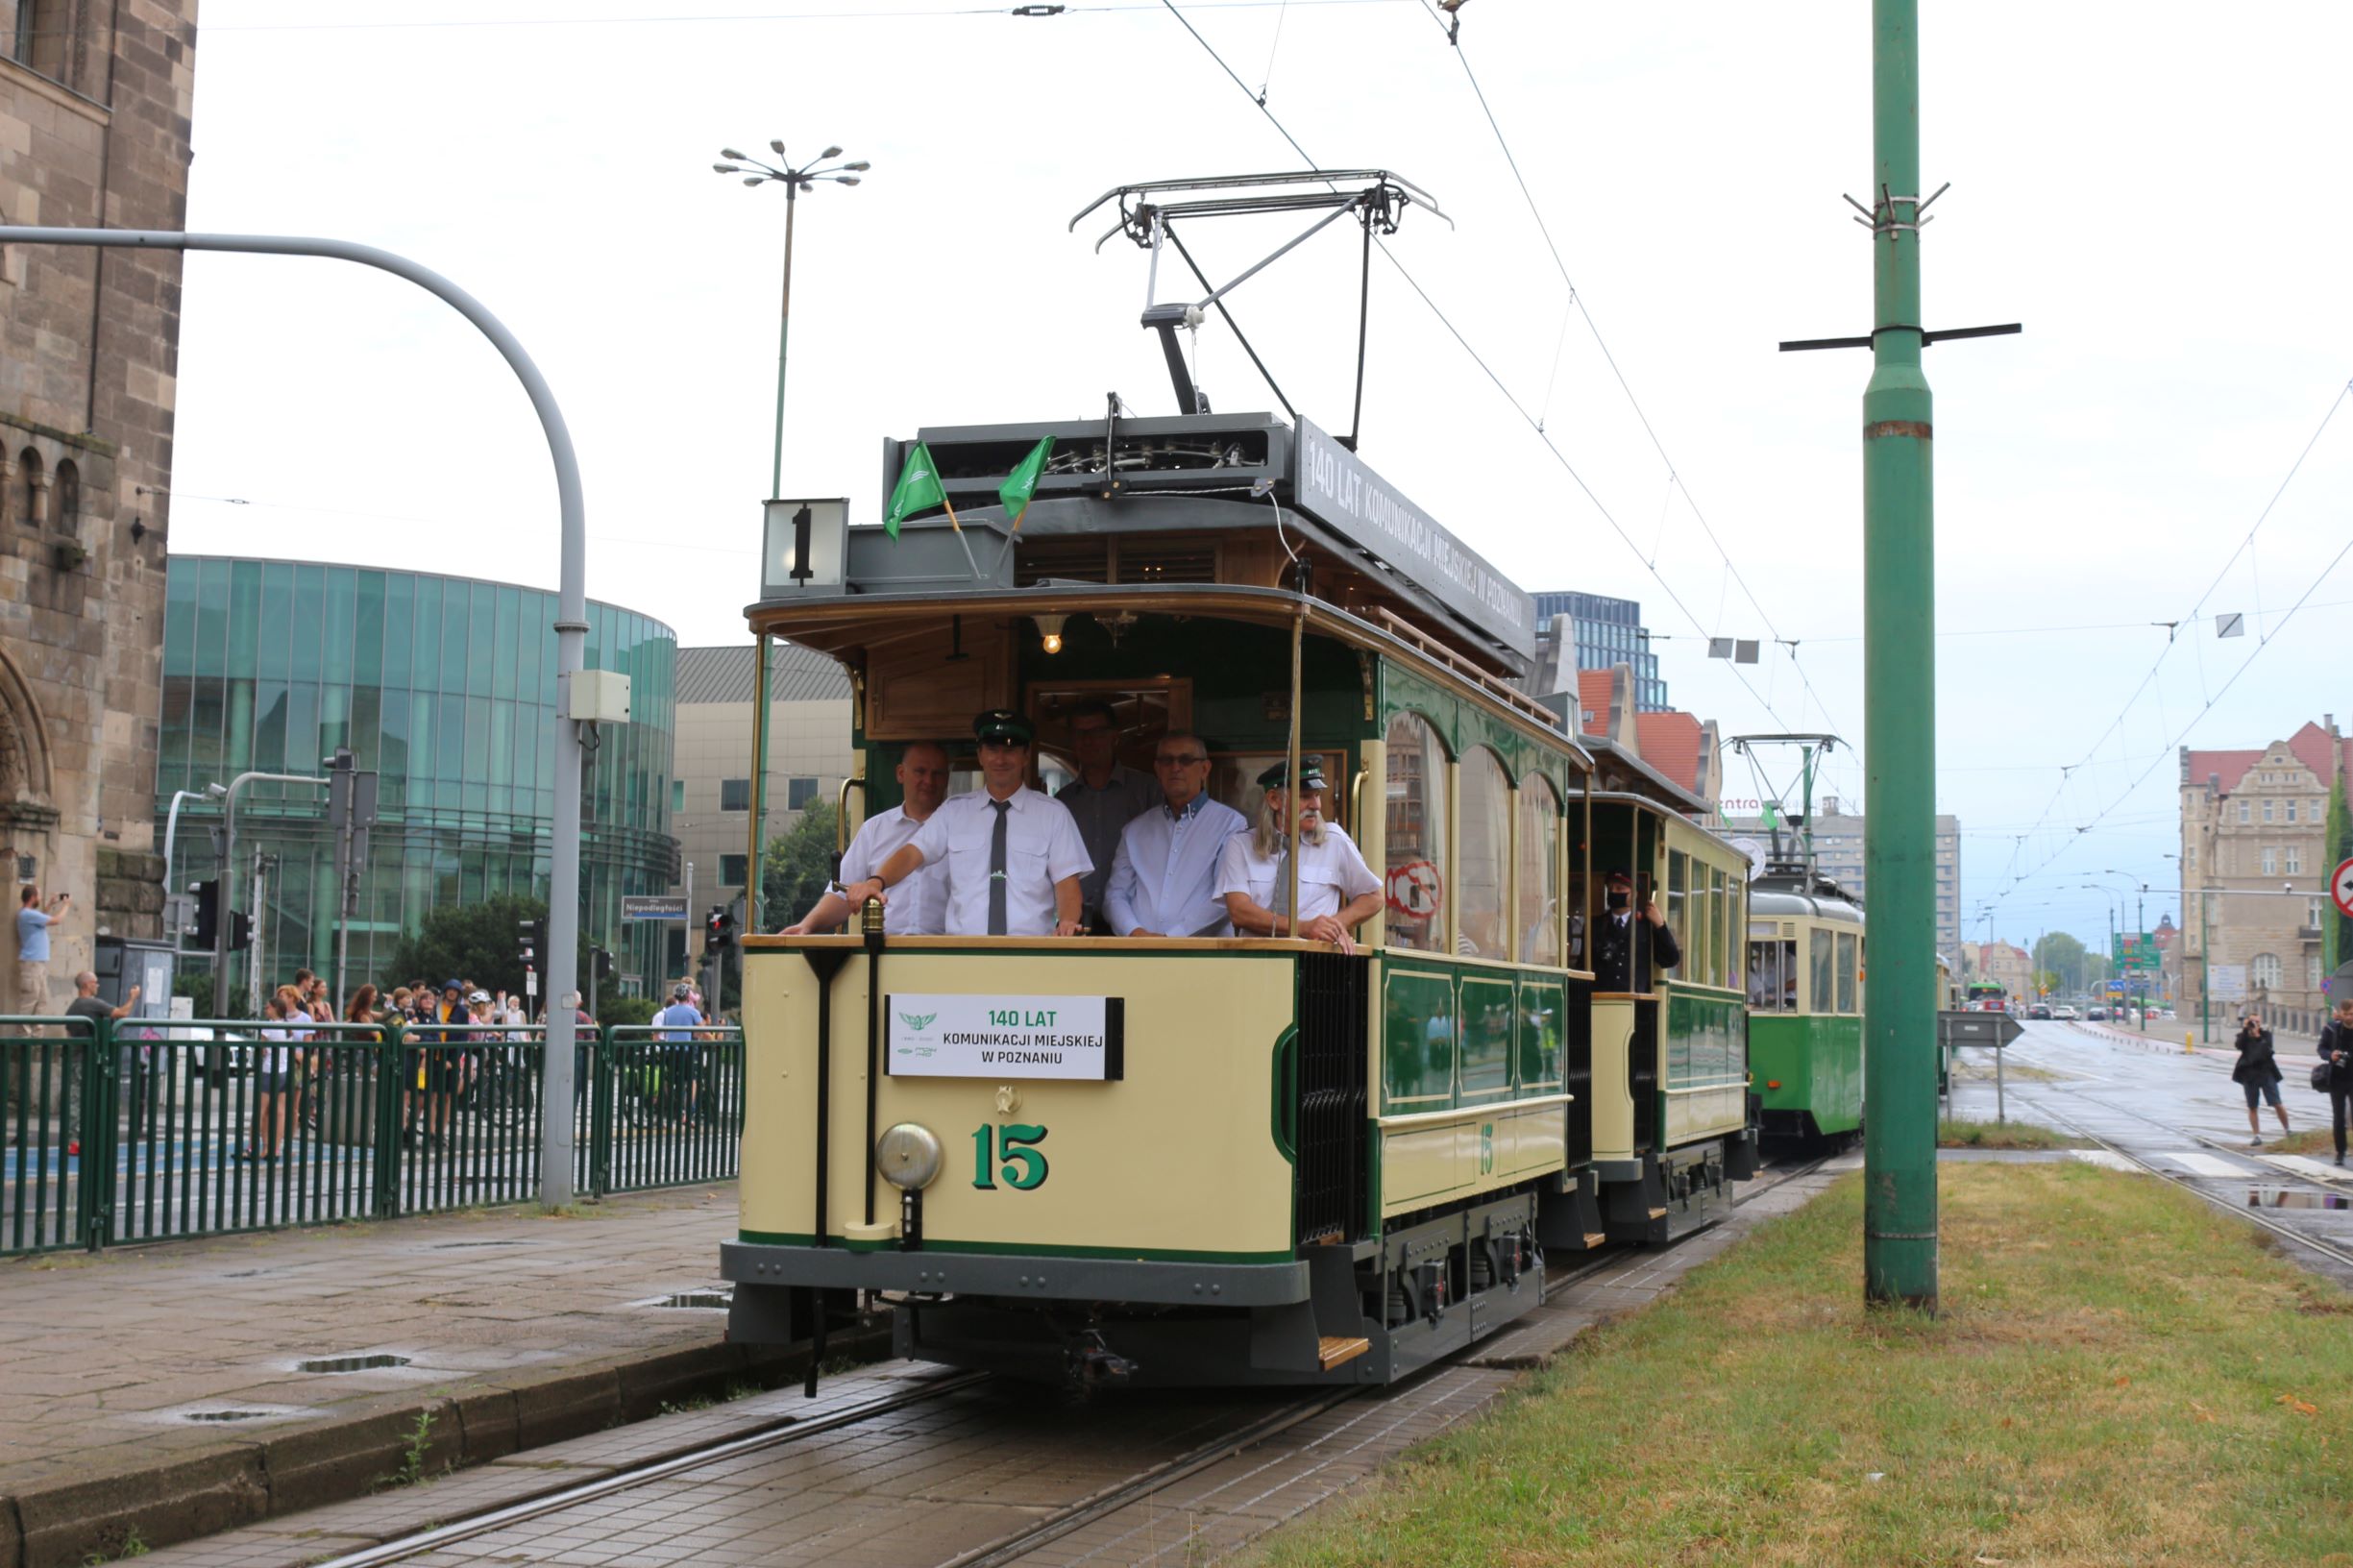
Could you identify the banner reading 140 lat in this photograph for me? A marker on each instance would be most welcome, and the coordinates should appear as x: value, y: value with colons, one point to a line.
x: 985, y: 1035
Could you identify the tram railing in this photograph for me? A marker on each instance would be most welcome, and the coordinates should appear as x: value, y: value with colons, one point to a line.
x: 147, y: 1130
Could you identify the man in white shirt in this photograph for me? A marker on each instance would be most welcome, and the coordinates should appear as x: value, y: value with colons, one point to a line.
x: 1164, y: 880
x: 1012, y: 855
x: 1105, y: 797
x: 920, y: 909
x: 1337, y: 891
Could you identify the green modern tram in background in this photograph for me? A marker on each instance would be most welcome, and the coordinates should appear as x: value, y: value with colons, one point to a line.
x: 1805, y: 1006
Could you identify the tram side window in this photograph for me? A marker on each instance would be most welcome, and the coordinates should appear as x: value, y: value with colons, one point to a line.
x: 1773, y: 973
x: 1416, y: 861
x: 1678, y: 920
x: 1536, y: 873
x: 1846, y: 972
x: 1487, y: 853
x: 1720, y: 893
x: 1820, y: 995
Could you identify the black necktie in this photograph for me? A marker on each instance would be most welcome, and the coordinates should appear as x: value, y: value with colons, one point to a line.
x: 997, y: 867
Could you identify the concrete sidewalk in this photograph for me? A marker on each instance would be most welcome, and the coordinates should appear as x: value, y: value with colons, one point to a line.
x: 156, y: 1391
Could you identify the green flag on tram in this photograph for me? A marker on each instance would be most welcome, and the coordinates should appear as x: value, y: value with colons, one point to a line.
x: 919, y: 489
x: 1020, y: 486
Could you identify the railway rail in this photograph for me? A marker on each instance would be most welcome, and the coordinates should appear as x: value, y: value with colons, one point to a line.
x: 1260, y: 1425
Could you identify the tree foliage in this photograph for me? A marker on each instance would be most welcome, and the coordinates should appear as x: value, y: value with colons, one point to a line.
x: 796, y: 866
x: 2070, y: 964
x: 482, y: 943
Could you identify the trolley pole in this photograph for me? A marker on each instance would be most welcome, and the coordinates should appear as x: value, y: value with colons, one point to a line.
x: 1899, y: 703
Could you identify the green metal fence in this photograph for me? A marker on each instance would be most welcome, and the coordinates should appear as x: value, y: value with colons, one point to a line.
x: 143, y: 1130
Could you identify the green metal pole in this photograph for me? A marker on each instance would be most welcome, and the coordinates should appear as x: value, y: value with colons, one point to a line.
x: 2139, y: 929
x: 1899, y: 703
x: 784, y: 333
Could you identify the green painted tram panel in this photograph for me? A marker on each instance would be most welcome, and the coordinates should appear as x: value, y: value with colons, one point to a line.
x: 1542, y: 1011
x: 1418, y: 1041
x: 1487, y: 1040
x: 1818, y: 1062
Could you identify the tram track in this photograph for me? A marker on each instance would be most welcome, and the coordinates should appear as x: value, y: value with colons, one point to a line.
x: 2342, y: 1256
x: 1095, y: 1507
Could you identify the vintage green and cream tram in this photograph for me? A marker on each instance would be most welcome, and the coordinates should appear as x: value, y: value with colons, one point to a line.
x: 1806, y: 1007
x: 1250, y: 1159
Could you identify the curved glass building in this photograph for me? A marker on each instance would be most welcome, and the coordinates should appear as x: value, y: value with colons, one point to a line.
x: 445, y: 687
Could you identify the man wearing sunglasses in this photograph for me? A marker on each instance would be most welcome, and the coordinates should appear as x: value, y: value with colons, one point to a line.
x: 1164, y: 877
x: 1012, y: 854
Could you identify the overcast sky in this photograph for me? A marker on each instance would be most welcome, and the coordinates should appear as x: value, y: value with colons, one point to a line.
x: 2156, y: 192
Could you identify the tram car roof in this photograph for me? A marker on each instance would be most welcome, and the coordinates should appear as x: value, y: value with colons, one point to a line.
x: 1202, y: 514
x: 1782, y: 890
x: 1617, y: 770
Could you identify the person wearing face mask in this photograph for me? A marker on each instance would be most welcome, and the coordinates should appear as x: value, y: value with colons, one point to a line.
x: 1629, y: 944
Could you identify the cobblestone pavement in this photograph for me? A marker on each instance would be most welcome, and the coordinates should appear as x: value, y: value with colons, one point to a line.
x: 117, y: 1370
x: 980, y: 1463
x: 2180, y: 1110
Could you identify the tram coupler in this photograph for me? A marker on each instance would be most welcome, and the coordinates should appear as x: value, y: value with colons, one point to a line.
x: 1093, y: 1364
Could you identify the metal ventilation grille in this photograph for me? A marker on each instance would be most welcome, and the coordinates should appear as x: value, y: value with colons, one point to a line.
x: 1173, y: 560
x: 1073, y: 560
x: 1331, y: 1096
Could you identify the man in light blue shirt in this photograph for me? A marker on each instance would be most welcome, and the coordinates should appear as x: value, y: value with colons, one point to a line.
x: 32, y: 921
x: 677, y: 1024
x: 1164, y: 879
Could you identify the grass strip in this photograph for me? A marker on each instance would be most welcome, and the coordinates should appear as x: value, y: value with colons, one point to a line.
x: 2118, y: 1376
x: 2002, y: 1135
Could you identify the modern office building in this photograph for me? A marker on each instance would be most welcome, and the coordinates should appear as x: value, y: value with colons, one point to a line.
x: 1838, y: 854
x: 445, y: 687
x: 1606, y: 632
x: 808, y: 756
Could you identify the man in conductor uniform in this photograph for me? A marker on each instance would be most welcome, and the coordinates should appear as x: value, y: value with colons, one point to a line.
x: 919, y: 909
x: 1012, y: 854
x: 1164, y: 879
x: 1626, y: 944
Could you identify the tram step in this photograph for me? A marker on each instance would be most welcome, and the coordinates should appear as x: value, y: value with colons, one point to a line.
x: 1594, y: 1239
x: 1658, y: 1213
x: 1333, y: 1350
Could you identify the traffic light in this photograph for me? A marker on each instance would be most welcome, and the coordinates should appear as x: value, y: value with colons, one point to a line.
x: 601, y: 961
x: 240, y: 931
x: 206, y: 929
x: 533, y: 944
x: 719, y: 931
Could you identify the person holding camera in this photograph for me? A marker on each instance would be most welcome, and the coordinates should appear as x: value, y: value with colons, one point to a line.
x: 2258, y: 1073
x: 32, y: 921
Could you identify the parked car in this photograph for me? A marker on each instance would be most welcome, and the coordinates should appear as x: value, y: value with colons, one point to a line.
x: 2098, y: 1015
x: 2039, y: 1010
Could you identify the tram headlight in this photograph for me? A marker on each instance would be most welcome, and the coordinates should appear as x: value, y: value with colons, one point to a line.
x: 908, y: 1156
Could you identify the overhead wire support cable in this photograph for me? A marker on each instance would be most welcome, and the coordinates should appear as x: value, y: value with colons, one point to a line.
x: 1517, y: 407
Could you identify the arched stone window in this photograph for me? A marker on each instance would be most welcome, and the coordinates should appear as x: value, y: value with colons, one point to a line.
x: 68, y: 495
x: 33, y: 490
x: 1485, y: 929
x: 1416, y: 861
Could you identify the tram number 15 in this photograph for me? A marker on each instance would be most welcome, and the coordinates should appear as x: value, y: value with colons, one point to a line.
x: 1024, y: 1167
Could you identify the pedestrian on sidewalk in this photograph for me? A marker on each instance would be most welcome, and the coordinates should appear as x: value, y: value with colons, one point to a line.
x: 86, y: 1007
x: 2337, y: 1058
x: 2258, y: 1073
x: 272, y: 1074
x: 32, y: 921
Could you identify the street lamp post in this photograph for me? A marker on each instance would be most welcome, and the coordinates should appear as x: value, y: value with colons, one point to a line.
x: 795, y: 181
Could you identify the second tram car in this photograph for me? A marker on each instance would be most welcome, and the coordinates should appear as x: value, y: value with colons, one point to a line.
x: 1173, y: 1160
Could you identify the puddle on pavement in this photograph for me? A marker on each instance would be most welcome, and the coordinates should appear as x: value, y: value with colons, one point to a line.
x: 226, y: 1416
x: 514, y: 1242
x: 707, y: 1300
x: 350, y: 1363
x: 2281, y: 1197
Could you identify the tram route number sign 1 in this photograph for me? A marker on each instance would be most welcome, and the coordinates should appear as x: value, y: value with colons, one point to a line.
x: 934, y: 1035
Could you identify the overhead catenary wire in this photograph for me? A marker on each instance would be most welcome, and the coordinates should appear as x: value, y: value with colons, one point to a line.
x: 1576, y: 303
x: 2114, y: 725
x: 1455, y: 333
